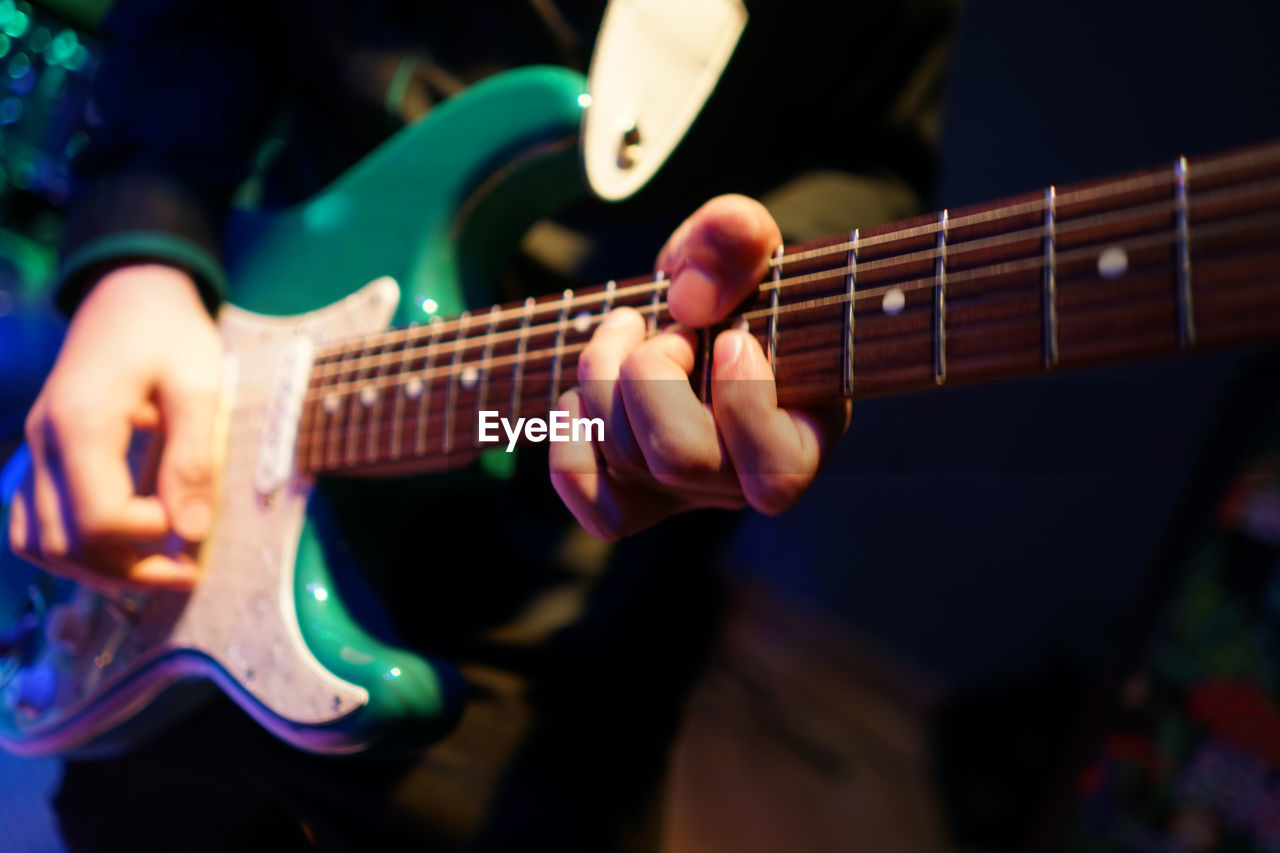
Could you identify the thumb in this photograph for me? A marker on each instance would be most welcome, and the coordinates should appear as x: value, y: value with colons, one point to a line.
x: 186, y: 477
x: 717, y: 258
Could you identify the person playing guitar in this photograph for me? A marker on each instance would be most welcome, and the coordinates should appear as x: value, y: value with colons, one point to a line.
x: 185, y: 97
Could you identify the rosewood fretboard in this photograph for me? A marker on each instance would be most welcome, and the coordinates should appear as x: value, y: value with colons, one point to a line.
x: 1153, y: 263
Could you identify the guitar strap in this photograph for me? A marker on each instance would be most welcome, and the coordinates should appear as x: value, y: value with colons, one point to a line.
x: 654, y: 65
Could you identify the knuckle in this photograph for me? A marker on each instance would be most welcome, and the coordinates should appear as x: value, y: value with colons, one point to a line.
x: 91, y: 523
x: 774, y: 493
x: 589, y: 366
x: 68, y: 413
x: 636, y: 366
x: 675, y: 454
x: 191, y: 473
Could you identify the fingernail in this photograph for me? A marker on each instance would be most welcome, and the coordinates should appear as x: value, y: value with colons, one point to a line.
x: 728, y: 348
x: 698, y: 289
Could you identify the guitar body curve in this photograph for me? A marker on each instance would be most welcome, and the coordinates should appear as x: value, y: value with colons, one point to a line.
x: 89, y: 673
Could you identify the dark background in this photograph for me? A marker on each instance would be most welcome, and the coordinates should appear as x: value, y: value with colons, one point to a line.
x: 1000, y: 538
x: 970, y: 527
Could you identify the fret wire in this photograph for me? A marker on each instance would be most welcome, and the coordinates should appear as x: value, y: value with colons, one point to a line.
x: 424, y: 408
x: 398, y: 390
x: 1186, y: 317
x: 608, y: 298
x: 659, y: 279
x: 940, y: 305
x: 1050, y: 296
x: 1164, y: 238
x: 558, y: 362
x: 446, y: 441
x: 851, y: 289
x: 355, y: 402
x: 773, y: 311
x: 517, y: 372
x: 485, y: 358
x: 335, y: 429
x: 371, y: 441
x: 371, y: 447
x: 1079, y: 223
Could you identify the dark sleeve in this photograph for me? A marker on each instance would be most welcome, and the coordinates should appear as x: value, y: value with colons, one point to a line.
x: 850, y: 96
x: 181, y: 100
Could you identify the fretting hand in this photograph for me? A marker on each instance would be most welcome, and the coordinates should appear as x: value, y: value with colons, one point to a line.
x: 664, y: 451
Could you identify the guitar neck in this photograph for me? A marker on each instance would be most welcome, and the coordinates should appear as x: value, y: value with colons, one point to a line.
x: 1153, y: 263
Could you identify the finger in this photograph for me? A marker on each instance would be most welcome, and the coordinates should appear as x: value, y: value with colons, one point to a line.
x: 119, y: 565
x: 86, y: 441
x: 605, y: 509
x: 775, y: 452
x: 676, y: 432
x: 22, y: 536
x: 163, y: 571
x: 717, y: 257
x: 185, y: 484
x: 598, y: 367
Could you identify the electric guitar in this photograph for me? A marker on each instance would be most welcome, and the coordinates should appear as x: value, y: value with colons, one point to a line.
x: 1157, y: 262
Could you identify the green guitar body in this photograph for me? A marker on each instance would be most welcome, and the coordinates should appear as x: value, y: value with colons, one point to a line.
x: 437, y: 208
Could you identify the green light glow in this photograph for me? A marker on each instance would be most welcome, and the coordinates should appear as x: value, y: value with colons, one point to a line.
x: 39, y: 40
x: 4, y: 44
x: 6, y: 11
x: 77, y: 59
x: 63, y: 46
x: 17, y: 24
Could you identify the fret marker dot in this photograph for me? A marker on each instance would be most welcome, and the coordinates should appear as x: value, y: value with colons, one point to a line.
x: 894, y: 301
x: 413, y: 388
x: 1113, y: 262
x: 582, y: 322
x: 368, y: 396
x: 469, y: 377
x: 331, y: 403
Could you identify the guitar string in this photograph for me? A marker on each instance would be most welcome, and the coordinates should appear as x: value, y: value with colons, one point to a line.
x: 434, y: 416
x: 1109, y: 189
x: 1155, y: 239
x: 1121, y: 186
x: 919, y: 284
x: 954, y: 252
x: 865, y: 267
